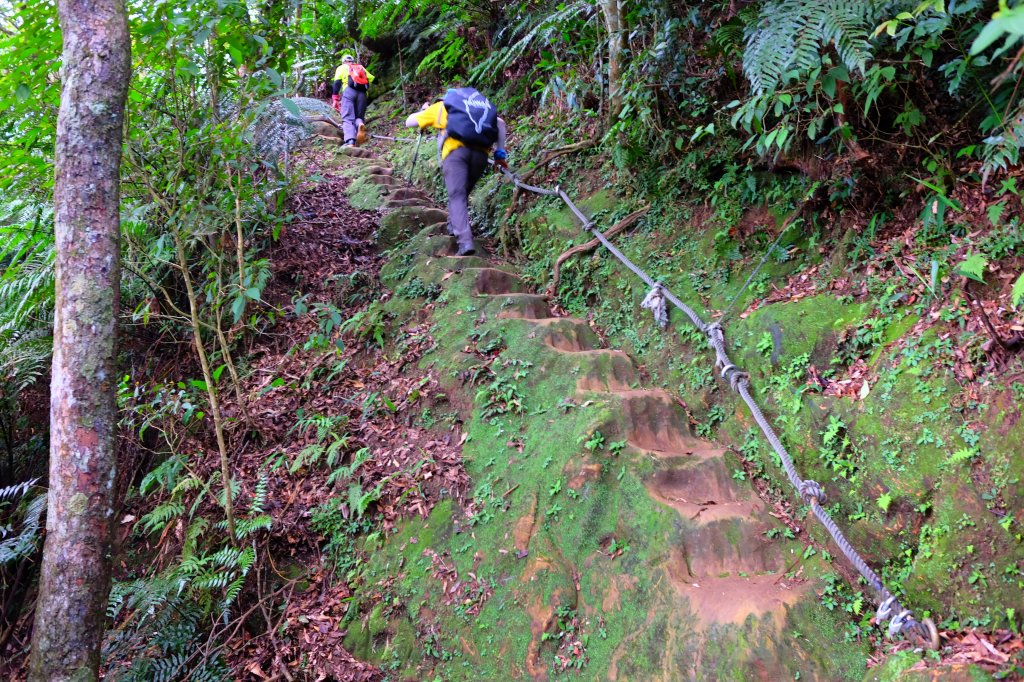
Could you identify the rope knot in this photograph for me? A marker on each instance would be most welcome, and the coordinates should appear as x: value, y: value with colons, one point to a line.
x: 885, y: 609
x: 738, y: 377
x: 904, y: 618
x: 811, y: 491
x: 655, y: 302
x: 731, y: 373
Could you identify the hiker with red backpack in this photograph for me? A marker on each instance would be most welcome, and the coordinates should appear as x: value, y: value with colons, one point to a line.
x: 468, y: 126
x: 351, y: 82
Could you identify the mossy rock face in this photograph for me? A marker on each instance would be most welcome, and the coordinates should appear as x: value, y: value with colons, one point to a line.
x: 926, y: 489
x: 365, y: 195
x: 807, y: 326
x: 402, y: 223
x: 600, y: 533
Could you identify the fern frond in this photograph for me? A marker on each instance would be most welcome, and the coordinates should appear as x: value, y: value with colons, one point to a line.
x: 790, y: 37
x: 162, y: 515
x: 530, y: 31
x: 18, y: 543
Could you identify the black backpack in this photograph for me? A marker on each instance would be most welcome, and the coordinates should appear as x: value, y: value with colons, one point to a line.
x: 472, y: 119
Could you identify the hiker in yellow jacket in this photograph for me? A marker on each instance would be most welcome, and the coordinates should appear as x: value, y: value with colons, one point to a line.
x: 463, y: 164
x: 351, y: 82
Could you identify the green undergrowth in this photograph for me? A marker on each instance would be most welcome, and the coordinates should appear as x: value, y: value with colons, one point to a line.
x: 556, y: 561
x: 920, y: 473
x: 913, y: 477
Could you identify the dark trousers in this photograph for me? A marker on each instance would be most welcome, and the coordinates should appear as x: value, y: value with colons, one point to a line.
x: 463, y: 168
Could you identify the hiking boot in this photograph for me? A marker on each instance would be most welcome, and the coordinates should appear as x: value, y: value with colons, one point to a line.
x: 468, y: 250
x: 349, y: 143
x: 361, y: 135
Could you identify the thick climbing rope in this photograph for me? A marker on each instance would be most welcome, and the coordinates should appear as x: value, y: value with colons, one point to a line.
x: 392, y: 139
x: 789, y: 222
x: 901, y: 620
x: 753, y: 273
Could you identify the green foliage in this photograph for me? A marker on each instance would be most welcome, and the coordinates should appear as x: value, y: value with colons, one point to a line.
x: 441, y: 30
x: 973, y: 267
x: 327, y: 445
x: 340, y: 528
x: 837, y: 451
x: 329, y: 320
x: 1017, y: 295
x: 790, y: 36
x: 416, y: 288
x: 563, y: 30
x: 172, y: 610
x: 30, y: 48
x: 855, y: 343
x: 501, y: 396
x: 26, y: 316
x: 368, y: 326
x: 21, y: 513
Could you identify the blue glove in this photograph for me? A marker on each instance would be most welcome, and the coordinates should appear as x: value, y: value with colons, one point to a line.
x: 500, y: 154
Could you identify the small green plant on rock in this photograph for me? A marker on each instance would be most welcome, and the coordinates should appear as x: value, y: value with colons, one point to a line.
x: 593, y: 442
x: 857, y: 342
x: 837, y: 595
x: 714, y: 417
x: 501, y: 396
x: 416, y: 288
x: 837, y: 452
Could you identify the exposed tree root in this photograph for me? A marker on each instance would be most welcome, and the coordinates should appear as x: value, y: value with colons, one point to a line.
x: 322, y: 119
x: 548, y: 156
x: 589, y: 246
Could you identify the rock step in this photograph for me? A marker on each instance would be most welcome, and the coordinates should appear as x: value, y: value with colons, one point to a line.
x: 460, y: 263
x: 494, y: 282
x: 569, y: 335
x: 714, y: 601
x: 424, y: 216
x: 380, y: 170
x: 446, y: 246
x: 386, y: 180
x: 610, y: 371
x: 656, y: 424
x: 407, y: 193
x: 730, y: 546
x: 406, y: 203
x: 703, y: 490
x: 522, y: 306
x: 357, y: 153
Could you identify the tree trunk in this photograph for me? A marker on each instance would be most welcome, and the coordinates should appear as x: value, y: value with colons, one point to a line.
x: 352, y: 21
x: 613, y: 22
x: 75, y: 579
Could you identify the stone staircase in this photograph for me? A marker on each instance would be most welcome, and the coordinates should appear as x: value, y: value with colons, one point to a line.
x: 722, y: 570
x: 725, y: 567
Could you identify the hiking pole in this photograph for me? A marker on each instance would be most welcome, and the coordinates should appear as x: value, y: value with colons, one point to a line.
x: 415, y: 155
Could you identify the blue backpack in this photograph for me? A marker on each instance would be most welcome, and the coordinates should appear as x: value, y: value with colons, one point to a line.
x: 472, y: 119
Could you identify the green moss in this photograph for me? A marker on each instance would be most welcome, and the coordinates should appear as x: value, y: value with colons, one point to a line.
x: 402, y: 223
x: 535, y: 485
x: 808, y: 326
x: 365, y: 195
